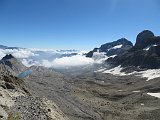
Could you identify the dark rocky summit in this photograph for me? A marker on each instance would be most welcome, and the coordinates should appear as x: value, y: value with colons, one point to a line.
x: 7, y: 57
x: 109, y: 49
x: 143, y: 37
x: 145, y: 53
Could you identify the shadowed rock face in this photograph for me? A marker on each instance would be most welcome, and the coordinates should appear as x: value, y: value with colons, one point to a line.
x: 146, y: 39
x: 143, y: 59
x: 9, y: 56
x: 142, y: 37
x: 107, y: 48
x: 145, y: 53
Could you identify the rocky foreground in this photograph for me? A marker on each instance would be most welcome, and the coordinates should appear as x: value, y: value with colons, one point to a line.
x: 97, y: 96
x: 49, y: 95
x: 17, y: 102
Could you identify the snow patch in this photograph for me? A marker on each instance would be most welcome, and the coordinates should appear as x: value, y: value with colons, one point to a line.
x: 100, y: 70
x: 116, y: 47
x: 112, y: 56
x: 147, y: 48
x: 154, y: 94
x: 149, y: 74
x: 116, y: 71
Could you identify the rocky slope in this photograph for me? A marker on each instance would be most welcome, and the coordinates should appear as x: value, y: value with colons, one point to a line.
x: 16, y: 102
x: 97, y: 96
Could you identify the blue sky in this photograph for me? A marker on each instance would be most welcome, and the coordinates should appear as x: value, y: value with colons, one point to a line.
x: 75, y: 24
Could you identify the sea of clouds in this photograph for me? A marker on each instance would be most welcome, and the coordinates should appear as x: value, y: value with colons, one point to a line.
x: 52, y: 58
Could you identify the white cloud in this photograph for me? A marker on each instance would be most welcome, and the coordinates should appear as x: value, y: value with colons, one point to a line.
x: 2, y: 54
x: 99, y: 57
x: 23, y: 53
x: 77, y: 60
x: 52, y: 58
x: 18, y: 53
x: 30, y: 62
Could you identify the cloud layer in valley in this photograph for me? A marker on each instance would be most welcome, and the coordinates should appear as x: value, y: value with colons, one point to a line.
x: 77, y: 60
x: 18, y: 53
x: 50, y: 58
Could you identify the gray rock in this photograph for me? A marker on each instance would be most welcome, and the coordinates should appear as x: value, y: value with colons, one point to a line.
x: 3, y: 114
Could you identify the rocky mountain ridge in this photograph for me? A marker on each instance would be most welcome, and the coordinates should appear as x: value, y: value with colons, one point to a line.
x: 144, y: 54
x: 112, y: 48
x: 6, y: 47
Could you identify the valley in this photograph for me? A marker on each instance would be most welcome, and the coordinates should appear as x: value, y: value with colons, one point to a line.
x: 107, y: 85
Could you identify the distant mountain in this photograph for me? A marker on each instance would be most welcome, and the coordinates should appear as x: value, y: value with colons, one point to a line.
x: 6, y: 47
x: 3, y: 47
x: 112, y: 48
x: 68, y: 51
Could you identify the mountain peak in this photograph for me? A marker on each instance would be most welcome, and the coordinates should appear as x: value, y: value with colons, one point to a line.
x: 113, y: 48
x: 143, y: 36
x: 12, y: 63
x: 8, y: 56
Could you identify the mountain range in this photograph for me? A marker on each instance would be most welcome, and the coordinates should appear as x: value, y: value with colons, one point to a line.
x: 117, y: 81
x: 144, y: 54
